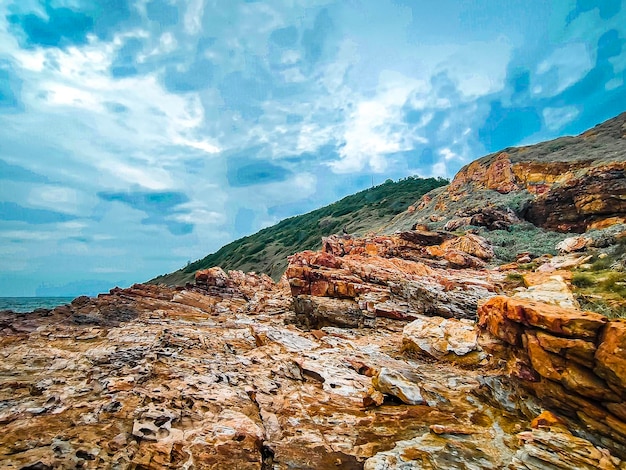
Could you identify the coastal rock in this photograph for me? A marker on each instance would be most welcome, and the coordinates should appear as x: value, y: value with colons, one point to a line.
x: 542, y: 446
x: 390, y: 277
x: 550, y: 290
x: 571, y: 244
x: 197, y: 376
x: 491, y: 218
x: 394, y: 383
x: 497, y: 176
x: 499, y: 315
x: 610, y: 356
x: 575, y: 204
x: 443, y: 339
x: 571, y: 360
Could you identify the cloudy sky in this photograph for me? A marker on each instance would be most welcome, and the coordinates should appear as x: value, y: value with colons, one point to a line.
x: 136, y: 135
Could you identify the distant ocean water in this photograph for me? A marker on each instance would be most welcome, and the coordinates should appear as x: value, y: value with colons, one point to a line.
x: 28, y: 304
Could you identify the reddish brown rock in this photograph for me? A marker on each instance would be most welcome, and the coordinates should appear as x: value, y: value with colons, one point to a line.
x: 611, y: 354
x: 562, y: 321
x: 497, y: 176
x: 388, y: 277
x: 575, y: 204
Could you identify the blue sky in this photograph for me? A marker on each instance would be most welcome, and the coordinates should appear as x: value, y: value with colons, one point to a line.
x: 136, y: 135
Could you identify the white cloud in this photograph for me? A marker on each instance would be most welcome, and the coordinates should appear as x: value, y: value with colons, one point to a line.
x: 556, y: 118
x: 57, y: 198
x: 562, y: 68
x: 193, y: 17
x: 376, y: 127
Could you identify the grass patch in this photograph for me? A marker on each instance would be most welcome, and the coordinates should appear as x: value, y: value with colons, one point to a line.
x: 601, y: 291
x: 524, y: 237
x: 582, y: 280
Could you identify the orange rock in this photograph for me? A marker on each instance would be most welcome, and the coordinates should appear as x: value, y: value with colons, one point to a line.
x: 577, y: 350
x: 563, y: 321
x: 608, y: 222
x: 549, y: 365
x: 611, y: 354
x: 546, y: 419
x: 470, y: 244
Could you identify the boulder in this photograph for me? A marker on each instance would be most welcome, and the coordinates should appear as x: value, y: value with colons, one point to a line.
x: 443, y: 339
x: 392, y: 382
x: 553, y: 290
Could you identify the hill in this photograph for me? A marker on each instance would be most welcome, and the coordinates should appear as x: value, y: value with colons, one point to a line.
x: 266, y: 251
x: 540, y: 192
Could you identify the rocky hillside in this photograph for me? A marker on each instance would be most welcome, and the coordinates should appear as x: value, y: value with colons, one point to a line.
x: 267, y: 251
x: 523, y: 199
x: 571, y: 184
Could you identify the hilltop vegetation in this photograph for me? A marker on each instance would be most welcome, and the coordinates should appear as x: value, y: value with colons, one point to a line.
x: 266, y: 251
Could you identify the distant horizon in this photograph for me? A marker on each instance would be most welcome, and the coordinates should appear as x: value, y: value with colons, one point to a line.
x: 140, y: 137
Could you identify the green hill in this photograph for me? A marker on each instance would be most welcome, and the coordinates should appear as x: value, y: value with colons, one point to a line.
x: 266, y: 251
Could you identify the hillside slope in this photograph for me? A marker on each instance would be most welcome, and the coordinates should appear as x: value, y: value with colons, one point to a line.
x: 570, y: 184
x: 527, y: 199
x: 266, y: 251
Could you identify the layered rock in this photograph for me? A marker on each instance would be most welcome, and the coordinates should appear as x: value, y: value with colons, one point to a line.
x: 395, y: 277
x: 570, y: 184
x: 211, y: 377
x: 572, y: 360
x: 151, y: 377
x: 582, y: 201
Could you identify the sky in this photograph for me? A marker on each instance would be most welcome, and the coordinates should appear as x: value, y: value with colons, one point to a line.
x: 138, y: 135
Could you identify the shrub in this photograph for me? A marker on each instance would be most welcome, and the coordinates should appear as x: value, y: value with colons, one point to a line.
x: 582, y: 280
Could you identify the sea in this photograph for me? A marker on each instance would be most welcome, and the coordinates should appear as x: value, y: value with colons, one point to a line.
x: 28, y: 304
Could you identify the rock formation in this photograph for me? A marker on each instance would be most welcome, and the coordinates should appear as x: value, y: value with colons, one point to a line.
x: 345, y: 363
x: 570, y: 184
x: 572, y: 360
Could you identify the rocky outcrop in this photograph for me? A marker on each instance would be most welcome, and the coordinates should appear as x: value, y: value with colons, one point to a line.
x: 151, y: 377
x: 489, y: 217
x: 580, y: 202
x: 496, y: 175
x: 570, y: 184
x: 394, y: 277
x: 572, y: 360
x: 221, y: 374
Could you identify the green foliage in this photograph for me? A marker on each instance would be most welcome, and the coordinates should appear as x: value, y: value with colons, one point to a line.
x: 266, y: 251
x: 602, y: 291
x: 582, y: 280
x: 524, y: 237
x: 608, y: 309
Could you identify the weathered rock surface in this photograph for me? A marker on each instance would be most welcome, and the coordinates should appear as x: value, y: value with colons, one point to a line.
x: 490, y: 217
x: 573, y: 361
x: 548, y: 289
x: 394, y: 277
x: 443, y: 339
x: 320, y: 370
x: 151, y: 378
x: 571, y: 184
